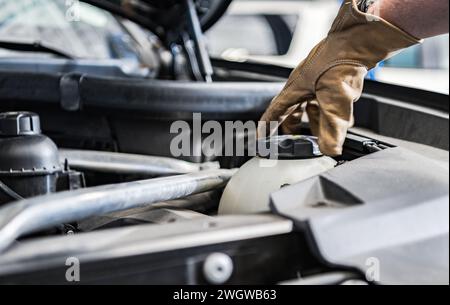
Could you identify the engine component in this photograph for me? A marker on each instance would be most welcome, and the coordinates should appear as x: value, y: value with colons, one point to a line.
x: 296, y: 158
x: 29, y: 160
x: 218, y: 268
x: 32, y: 215
x: 29, y: 163
x: 195, y: 206
x: 120, y: 163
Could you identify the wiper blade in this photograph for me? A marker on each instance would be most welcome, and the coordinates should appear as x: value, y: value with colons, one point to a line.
x: 36, y: 46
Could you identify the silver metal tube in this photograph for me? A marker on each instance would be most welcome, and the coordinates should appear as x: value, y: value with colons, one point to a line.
x: 120, y: 163
x: 39, y: 213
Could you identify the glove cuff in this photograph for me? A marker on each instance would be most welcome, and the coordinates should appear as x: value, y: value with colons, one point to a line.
x: 369, y: 18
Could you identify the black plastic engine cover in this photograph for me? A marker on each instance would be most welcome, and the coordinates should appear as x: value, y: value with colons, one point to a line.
x: 389, y: 208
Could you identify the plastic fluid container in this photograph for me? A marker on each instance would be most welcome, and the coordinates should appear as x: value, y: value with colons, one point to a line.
x: 296, y: 158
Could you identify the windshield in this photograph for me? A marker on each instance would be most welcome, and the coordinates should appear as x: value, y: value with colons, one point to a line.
x: 73, y: 27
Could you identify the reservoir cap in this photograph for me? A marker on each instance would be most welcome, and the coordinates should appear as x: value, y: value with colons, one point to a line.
x: 288, y: 147
x: 19, y: 124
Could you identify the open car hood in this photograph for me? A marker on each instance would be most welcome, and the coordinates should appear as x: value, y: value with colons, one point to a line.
x: 164, y: 17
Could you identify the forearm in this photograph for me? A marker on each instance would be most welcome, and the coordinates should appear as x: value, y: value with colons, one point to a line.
x: 421, y: 18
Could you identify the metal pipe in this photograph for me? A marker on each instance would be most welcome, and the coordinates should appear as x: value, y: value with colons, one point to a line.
x: 39, y: 213
x: 196, y: 33
x: 120, y: 163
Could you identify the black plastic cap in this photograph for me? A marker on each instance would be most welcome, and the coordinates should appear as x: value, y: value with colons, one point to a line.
x: 19, y: 124
x: 290, y: 147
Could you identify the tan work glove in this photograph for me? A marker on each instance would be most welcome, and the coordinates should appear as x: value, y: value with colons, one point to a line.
x: 331, y: 78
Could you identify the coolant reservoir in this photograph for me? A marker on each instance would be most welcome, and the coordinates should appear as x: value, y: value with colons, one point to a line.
x: 296, y: 158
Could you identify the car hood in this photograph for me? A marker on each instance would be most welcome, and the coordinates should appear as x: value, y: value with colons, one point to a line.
x: 163, y: 17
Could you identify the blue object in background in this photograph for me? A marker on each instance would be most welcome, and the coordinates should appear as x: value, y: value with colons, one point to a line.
x: 372, y: 75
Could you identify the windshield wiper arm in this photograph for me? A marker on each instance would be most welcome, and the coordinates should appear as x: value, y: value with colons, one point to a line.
x: 36, y: 46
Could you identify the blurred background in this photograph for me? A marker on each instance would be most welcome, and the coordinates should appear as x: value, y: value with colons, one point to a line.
x: 282, y: 32
x: 80, y: 30
x: 279, y: 32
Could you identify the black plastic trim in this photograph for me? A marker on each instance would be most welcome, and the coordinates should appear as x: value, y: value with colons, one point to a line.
x: 433, y: 100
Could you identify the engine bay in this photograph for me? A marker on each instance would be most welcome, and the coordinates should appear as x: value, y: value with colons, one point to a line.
x: 33, y: 166
x: 103, y: 185
x: 73, y: 197
x: 91, y: 170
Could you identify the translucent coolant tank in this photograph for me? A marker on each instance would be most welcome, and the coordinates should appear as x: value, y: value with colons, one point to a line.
x: 296, y: 158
